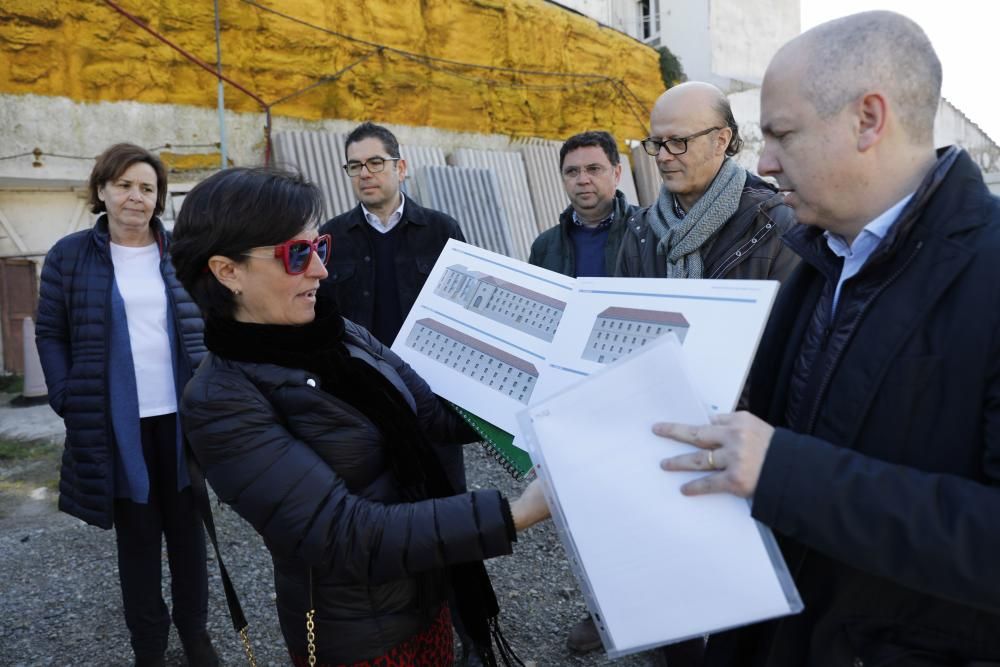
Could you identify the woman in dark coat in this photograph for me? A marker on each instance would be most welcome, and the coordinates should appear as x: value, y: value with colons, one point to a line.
x: 318, y: 436
x: 118, y: 339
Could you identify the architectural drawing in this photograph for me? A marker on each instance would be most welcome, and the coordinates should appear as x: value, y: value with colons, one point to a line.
x: 488, y: 365
x: 520, y: 308
x: 619, y: 331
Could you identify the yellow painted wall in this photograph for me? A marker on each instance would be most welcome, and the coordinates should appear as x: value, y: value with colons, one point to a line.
x: 85, y: 50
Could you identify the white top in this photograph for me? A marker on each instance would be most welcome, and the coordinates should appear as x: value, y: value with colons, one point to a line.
x: 856, y: 254
x: 394, y: 217
x: 137, y: 274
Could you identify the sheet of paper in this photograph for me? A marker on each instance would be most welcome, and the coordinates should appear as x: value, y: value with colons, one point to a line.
x: 494, y: 334
x: 482, y: 328
x: 656, y: 566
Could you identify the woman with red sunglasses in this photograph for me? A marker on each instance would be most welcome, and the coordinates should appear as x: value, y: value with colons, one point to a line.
x: 319, y: 437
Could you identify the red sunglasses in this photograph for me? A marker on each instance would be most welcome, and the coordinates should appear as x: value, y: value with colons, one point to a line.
x: 297, y: 253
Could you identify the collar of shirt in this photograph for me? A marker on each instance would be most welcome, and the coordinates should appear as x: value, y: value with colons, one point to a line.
x: 394, y: 217
x: 603, y: 224
x: 857, y: 253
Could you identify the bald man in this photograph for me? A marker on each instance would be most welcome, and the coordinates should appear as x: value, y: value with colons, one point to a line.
x: 873, y: 447
x: 712, y: 219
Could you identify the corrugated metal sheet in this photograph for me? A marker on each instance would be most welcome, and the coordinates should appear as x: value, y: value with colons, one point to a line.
x: 471, y: 196
x: 541, y: 164
x: 627, y: 182
x: 647, y: 176
x: 417, y: 157
x: 320, y: 156
x: 514, y: 192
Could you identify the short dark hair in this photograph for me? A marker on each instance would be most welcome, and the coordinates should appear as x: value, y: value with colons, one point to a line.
x: 230, y: 212
x: 368, y: 130
x: 597, y: 138
x: 113, y: 162
x: 725, y: 111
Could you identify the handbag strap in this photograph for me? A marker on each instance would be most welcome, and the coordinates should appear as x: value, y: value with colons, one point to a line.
x: 200, y: 492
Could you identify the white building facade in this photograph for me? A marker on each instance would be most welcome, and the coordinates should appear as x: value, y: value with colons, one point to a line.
x: 619, y: 331
x: 520, y: 308
x: 490, y: 366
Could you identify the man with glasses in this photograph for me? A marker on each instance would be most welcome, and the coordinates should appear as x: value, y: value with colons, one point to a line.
x: 712, y: 219
x: 589, y: 233
x: 384, y: 248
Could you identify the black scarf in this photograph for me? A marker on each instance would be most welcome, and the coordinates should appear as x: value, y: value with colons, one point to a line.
x: 318, y: 347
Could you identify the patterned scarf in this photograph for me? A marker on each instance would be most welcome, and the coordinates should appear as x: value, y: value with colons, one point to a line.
x: 681, y: 239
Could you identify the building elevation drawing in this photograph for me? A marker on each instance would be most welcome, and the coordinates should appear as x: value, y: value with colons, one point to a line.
x: 490, y: 366
x: 515, y: 306
x: 619, y: 331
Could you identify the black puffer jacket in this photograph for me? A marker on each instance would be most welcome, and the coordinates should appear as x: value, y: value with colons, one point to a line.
x: 309, y: 472
x: 72, y: 335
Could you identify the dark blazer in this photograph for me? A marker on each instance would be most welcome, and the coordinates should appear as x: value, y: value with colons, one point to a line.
x: 352, y: 276
x: 553, y: 249
x: 72, y: 335
x: 309, y: 472
x: 887, y: 507
x: 747, y: 247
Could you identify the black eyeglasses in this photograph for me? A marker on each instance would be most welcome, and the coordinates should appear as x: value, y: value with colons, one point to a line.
x: 374, y: 164
x: 296, y: 253
x: 677, y: 146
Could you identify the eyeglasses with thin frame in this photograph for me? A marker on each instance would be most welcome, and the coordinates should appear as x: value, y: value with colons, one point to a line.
x: 374, y: 164
x: 674, y: 146
x: 297, y: 253
x: 592, y: 170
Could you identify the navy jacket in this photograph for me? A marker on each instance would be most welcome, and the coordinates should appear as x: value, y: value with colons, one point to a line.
x: 886, y: 500
x: 72, y: 333
x: 310, y: 473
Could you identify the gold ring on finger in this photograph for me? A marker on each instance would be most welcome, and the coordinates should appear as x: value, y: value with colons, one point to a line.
x: 711, y: 459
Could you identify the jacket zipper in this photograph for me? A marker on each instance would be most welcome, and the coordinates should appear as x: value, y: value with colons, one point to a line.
x: 823, y: 386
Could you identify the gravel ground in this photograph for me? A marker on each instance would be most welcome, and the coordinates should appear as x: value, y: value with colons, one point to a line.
x: 60, y: 603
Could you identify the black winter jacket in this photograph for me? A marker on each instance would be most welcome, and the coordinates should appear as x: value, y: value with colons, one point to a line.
x: 72, y: 333
x: 309, y: 472
x: 886, y: 496
x: 747, y: 247
x: 554, y: 250
x: 352, y: 275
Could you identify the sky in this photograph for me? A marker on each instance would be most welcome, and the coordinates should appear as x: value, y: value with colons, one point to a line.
x: 964, y: 34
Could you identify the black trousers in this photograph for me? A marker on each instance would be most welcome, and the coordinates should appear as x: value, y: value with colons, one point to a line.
x: 139, y: 527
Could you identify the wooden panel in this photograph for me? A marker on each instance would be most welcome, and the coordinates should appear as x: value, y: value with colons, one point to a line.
x: 18, y: 300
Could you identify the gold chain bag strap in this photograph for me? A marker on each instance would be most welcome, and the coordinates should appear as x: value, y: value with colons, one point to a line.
x: 311, y: 624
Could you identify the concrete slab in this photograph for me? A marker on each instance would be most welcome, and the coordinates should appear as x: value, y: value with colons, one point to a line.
x: 36, y: 422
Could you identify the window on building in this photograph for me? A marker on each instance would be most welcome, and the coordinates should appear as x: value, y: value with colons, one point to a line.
x: 649, y: 19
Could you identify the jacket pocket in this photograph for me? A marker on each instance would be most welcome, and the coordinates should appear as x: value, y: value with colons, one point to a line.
x: 912, y: 387
x: 876, y: 643
x: 340, y: 271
